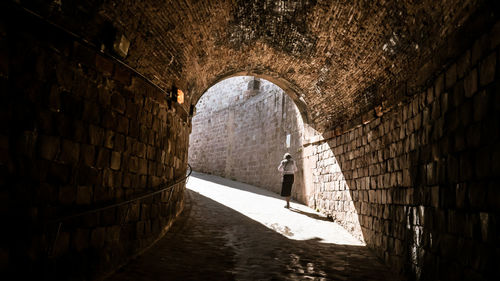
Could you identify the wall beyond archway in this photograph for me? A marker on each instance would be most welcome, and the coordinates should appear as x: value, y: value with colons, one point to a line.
x: 240, y: 132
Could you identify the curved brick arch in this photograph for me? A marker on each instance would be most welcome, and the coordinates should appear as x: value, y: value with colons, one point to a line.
x: 347, y: 57
x: 290, y: 89
x: 404, y: 94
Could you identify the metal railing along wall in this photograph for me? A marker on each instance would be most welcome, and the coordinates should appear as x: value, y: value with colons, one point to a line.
x: 163, y: 190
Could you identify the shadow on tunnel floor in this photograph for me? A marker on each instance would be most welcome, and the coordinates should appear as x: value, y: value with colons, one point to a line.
x: 210, y: 241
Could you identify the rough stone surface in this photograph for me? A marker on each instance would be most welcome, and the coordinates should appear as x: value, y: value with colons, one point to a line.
x: 337, y: 60
x: 404, y: 96
x: 414, y: 183
x: 66, y: 145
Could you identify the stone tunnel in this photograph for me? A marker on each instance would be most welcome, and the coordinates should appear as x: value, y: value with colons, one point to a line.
x: 399, y: 102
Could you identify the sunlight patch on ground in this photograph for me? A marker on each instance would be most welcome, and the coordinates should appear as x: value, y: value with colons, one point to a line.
x: 298, y: 223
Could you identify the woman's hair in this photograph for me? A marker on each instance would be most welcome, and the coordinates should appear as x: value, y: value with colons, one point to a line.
x: 287, y: 156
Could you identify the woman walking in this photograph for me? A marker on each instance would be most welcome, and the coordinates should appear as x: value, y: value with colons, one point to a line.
x: 287, y: 168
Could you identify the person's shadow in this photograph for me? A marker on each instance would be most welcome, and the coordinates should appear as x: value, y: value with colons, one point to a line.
x: 311, y: 215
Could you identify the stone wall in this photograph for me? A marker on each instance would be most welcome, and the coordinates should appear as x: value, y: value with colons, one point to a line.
x: 78, y: 131
x: 422, y: 180
x: 239, y: 132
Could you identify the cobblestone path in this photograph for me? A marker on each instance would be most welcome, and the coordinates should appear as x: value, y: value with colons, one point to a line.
x: 234, y: 231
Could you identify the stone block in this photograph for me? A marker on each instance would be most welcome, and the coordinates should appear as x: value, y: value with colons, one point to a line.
x: 67, y: 194
x: 49, y: 147
x: 434, y: 190
x: 109, y: 120
x: 118, y: 103
x: 97, y: 237
x: 495, y: 167
x: 115, y: 160
x: 132, y: 110
x: 143, y: 166
x: 493, y: 195
x: 109, y: 138
x: 140, y: 149
x: 479, y: 48
x: 119, y: 144
x: 104, y: 65
x: 70, y: 152
x: 87, y: 156
x: 61, y: 245
x: 466, y: 168
x: 480, y: 107
x: 471, y: 83
x: 133, y: 164
x: 80, y: 239
x: 108, y: 217
x: 80, y: 131
x: 58, y: 173
x: 140, y: 225
x: 487, y: 69
x: 103, y: 158
x: 122, y: 125
x: 91, y: 112
x: 96, y: 135
x: 463, y: 64
x: 451, y: 76
x: 477, y: 195
x: 64, y: 75
x: 71, y: 105
x: 122, y: 75
x: 483, y: 163
x: 458, y: 93
x: 84, y: 195
x: 113, y: 234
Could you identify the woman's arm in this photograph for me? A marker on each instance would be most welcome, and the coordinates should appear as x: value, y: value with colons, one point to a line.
x: 280, y: 167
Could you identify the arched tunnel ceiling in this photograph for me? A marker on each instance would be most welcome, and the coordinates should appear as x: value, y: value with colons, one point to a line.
x: 339, y: 59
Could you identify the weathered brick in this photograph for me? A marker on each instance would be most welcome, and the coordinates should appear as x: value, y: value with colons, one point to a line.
x: 104, y: 65
x: 463, y: 64
x: 480, y: 106
x: 118, y: 103
x: 67, y: 194
x: 80, y: 239
x: 49, y: 147
x: 487, y: 69
x: 58, y: 173
x: 109, y: 139
x: 119, y: 144
x: 115, y: 160
x: 91, y: 112
x: 96, y: 135
x: 470, y: 83
x: 103, y: 157
x: 122, y: 125
x: 451, y: 76
x: 87, y: 154
x: 84, y: 195
x: 133, y: 164
x: 97, y: 237
x: 61, y: 245
x: 122, y: 75
x: 70, y: 152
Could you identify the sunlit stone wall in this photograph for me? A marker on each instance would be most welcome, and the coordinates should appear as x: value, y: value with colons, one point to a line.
x: 240, y: 132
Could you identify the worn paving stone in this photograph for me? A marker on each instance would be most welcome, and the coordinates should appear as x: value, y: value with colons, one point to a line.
x: 234, y: 231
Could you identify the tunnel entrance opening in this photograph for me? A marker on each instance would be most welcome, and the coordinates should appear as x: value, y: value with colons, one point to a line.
x: 243, y: 126
x: 240, y: 132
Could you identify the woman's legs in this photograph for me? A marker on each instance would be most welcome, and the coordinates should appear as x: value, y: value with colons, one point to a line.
x: 286, y: 189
